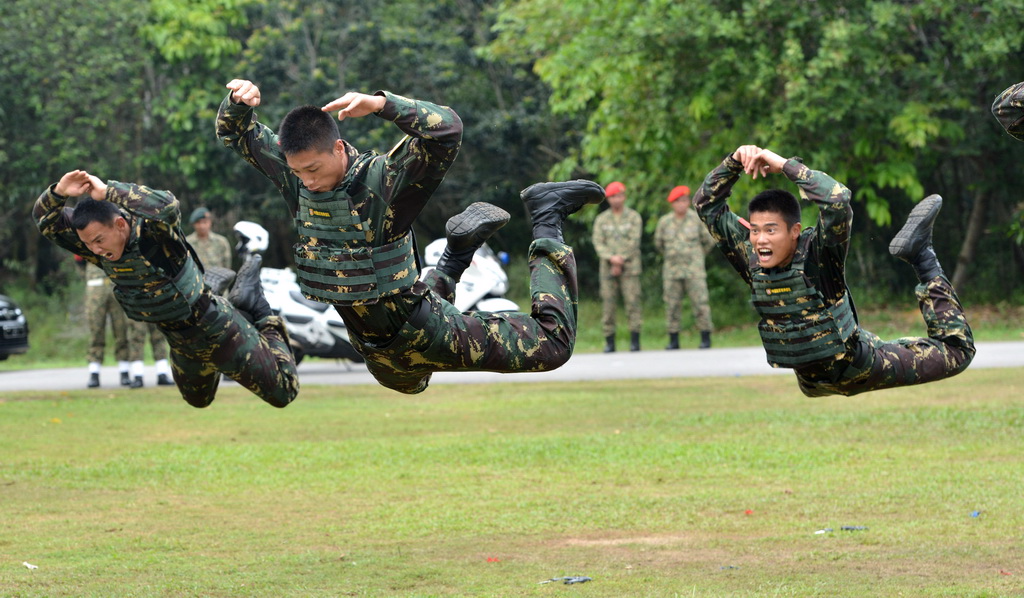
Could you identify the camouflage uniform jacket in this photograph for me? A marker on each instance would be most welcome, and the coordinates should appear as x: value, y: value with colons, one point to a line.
x: 154, y: 218
x: 825, y: 245
x: 213, y: 251
x: 683, y: 242
x: 398, y: 185
x: 619, y: 235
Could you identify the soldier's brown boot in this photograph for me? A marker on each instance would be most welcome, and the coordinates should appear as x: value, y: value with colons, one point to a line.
x: 550, y: 204
x: 466, y: 232
x: 913, y: 244
x: 247, y: 294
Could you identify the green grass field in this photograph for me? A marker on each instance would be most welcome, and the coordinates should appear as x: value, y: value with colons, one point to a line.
x: 688, y: 487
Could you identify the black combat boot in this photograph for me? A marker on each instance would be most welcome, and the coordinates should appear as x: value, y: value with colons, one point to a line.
x: 913, y: 244
x: 634, y: 341
x: 609, y: 344
x: 705, y: 339
x: 164, y: 380
x: 247, y: 294
x: 466, y: 232
x: 126, y: 380
x: 94, y: 380
x: 550, y: 204
x: 673, y: 341
x: 137, y: 382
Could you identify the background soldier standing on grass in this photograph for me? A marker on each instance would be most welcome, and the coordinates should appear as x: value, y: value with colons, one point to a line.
x: 354, y: 212
x: 798, y: 282
x: 101, y: 307
x: 616, y: 238
x: 214, y: 250
x: 141, y: 333
x: 684, y: 241
x: 133, y: 233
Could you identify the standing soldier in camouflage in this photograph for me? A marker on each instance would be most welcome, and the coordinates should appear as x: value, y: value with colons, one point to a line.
x: 798, y: 282
x: 684, y: 241
x: 617, y: 232
x: 214, y: 250
x: 354, y: 212
x: 141, y: 333
x: 101, y: 307
x: 133, y: 233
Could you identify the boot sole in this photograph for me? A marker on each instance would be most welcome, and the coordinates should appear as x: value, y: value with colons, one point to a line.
x: 571, y: 196
x: 474, y: 225
x: 247, y: 294
x: 921, y: 217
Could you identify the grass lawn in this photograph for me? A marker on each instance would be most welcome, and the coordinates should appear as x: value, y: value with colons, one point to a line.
x: 687, y: 487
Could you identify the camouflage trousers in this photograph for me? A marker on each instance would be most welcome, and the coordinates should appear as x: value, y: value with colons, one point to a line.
x: 874, y: 364
x: 437, y: 337
x: 222, y: 341
x: 696, y: 288
x: 100, y: 306
x: 629, y: 288
x: 139, y: 331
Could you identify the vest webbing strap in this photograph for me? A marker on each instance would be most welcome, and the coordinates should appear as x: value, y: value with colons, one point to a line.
x: 360, y: 275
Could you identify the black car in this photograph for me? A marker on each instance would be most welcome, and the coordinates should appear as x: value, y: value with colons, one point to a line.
x: 13, y: 328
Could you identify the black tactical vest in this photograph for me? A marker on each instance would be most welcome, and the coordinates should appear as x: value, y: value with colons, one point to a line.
x: 796, y: 327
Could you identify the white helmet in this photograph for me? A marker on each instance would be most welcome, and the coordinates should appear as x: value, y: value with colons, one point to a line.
x: 251, y: 237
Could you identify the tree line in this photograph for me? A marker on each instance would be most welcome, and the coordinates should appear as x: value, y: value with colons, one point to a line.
x: 891, y: 98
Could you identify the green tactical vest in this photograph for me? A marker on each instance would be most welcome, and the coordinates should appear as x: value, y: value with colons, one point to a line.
x: 796, y: 327
x: 347, y: 270
x: 147, y: 293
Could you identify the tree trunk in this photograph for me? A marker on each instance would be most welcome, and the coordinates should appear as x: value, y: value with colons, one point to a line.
x: 975, y: 230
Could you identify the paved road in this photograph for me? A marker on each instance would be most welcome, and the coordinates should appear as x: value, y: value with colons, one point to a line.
x: 747, y: 361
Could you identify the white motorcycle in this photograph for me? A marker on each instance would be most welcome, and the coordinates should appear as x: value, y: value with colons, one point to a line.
x: 483, y: 284
x: 315, y: 328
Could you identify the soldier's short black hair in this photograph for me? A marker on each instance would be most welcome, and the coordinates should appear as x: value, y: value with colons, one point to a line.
x: 777, y: 200
x: 306, y: 128
x: 89, y: 210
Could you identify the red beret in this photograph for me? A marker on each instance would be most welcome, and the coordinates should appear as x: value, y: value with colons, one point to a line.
x: 678, y: 192
x: 614, y: 188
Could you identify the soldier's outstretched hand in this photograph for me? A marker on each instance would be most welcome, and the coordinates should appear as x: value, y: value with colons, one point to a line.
x: 767, y: 162
x: 244, y: 92
x: 97, y: 188
x: 355, y: 105
x: 747, y: 156
x: 73, y: 183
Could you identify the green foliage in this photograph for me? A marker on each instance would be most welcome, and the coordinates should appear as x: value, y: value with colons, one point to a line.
x: 891, y: 98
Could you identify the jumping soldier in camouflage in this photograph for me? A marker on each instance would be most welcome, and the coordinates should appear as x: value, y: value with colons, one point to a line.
x: 798, y: 282
x: 684, y: 241
x: 354, y: 212
x: 101, y: 307
x: 616, y: 239
x: 133, y: 233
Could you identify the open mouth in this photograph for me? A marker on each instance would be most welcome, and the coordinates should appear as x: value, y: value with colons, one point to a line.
x: 764, y: 254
